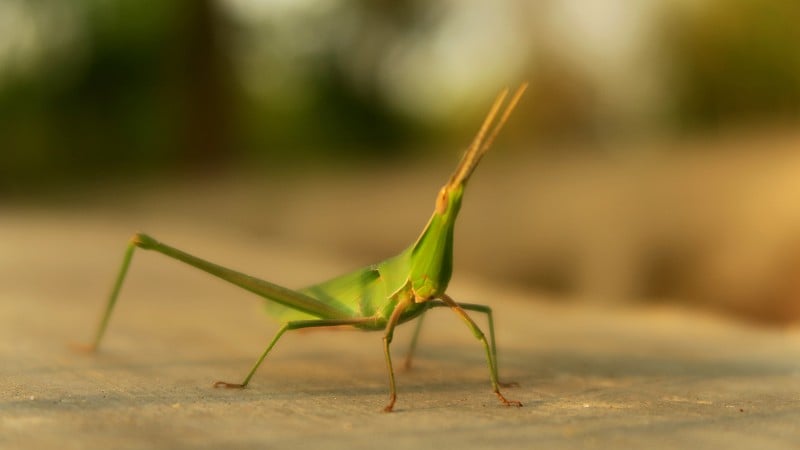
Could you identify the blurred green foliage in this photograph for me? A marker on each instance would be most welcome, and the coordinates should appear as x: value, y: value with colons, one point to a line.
x: 149, y: 87
x: 736, y: 61
x: 122, y: 88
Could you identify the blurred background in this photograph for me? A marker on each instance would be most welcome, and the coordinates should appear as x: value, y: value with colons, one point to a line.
x: 655, y: 157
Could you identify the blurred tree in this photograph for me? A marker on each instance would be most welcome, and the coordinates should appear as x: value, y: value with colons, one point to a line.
x: 736, y: 61
x: 107, y: 89
x: 105, y: 108
x: 205, y: 86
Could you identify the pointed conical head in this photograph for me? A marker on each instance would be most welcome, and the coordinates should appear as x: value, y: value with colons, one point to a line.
x: 432, y: 253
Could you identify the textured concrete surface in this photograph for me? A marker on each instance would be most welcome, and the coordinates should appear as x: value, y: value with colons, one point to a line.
x: 590, y: 376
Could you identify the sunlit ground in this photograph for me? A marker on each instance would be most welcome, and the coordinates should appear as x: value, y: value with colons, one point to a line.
x: 636, y: 227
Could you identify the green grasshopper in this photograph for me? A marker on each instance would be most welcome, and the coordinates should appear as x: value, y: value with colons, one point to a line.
x: 377, y: 297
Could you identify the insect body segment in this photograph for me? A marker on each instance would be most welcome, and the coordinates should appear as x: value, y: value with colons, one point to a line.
x: 377, y: 297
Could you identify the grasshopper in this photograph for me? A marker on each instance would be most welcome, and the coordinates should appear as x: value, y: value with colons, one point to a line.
x: 376, y: 297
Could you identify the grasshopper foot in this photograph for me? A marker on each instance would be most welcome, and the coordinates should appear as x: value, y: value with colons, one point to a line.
x: 388, y: 408
x: 83, y: 348
x: 506, y: 401
x: 222, y: 384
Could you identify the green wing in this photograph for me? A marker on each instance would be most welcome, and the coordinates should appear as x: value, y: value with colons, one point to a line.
x: 350, y: 293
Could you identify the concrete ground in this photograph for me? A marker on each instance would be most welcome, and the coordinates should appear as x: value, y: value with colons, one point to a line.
x: 590, y: 376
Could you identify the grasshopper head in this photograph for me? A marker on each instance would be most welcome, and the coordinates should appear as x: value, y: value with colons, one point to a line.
x: 432, y: 253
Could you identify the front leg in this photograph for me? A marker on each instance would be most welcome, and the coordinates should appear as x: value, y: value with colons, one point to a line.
x: 469, y: 307
x: 490, y: 319
x: 476, y: 331
x: 394, y: 319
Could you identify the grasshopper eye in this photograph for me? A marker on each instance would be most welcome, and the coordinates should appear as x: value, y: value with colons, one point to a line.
x: 441, y: 200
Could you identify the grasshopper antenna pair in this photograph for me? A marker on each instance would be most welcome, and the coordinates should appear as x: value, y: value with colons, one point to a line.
x: 374, y: 298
